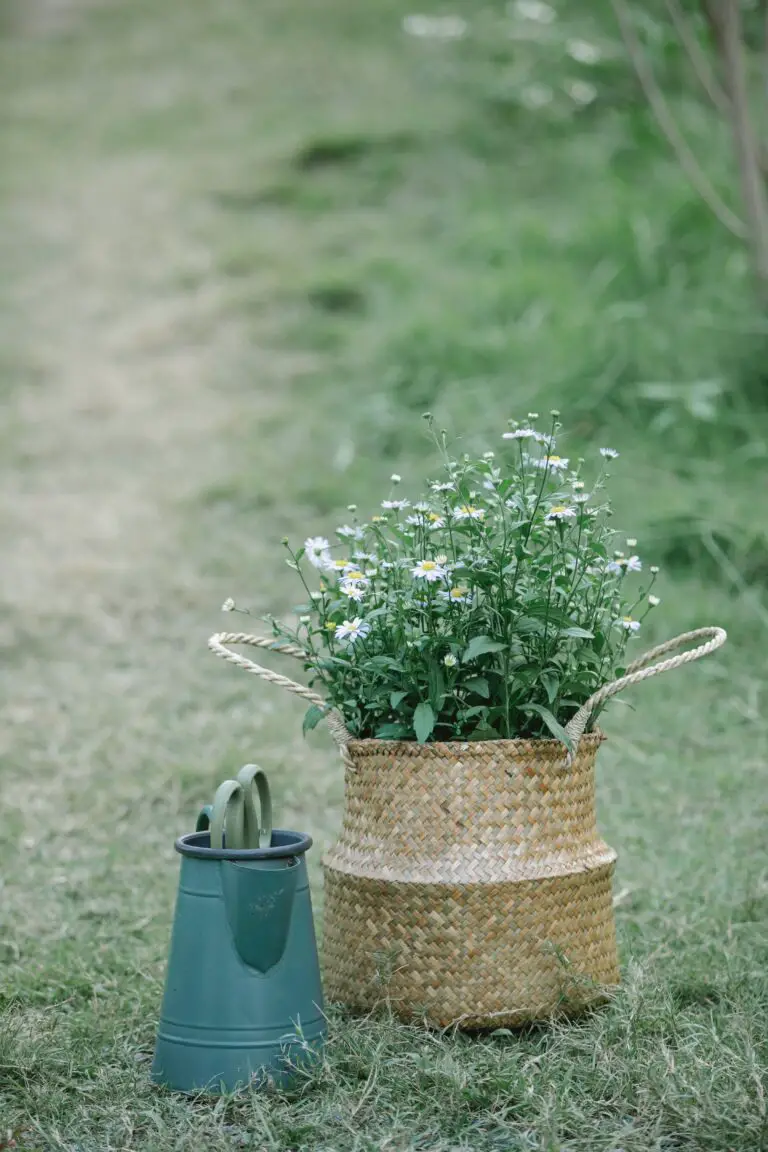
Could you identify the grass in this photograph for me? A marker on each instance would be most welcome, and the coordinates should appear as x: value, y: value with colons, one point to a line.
x: 245, y: 247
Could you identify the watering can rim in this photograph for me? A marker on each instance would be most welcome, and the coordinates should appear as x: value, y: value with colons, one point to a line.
x: 296, y: 845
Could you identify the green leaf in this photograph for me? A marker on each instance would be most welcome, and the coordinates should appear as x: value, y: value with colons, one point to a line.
x: 479, y: 645
x: 578, y: 633
x: 393, y: 732
x: 423, y: 722
x: 312, y: 717
x: 396, y: 699
x: 527, y: 624
x: 478, y: 685
x: 551, y: 685
x: 556, y: 729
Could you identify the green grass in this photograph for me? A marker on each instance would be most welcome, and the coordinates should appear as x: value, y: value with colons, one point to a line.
x: 245, y: 247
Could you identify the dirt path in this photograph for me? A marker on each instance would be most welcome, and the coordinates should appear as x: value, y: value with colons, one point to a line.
x: 121, y: 350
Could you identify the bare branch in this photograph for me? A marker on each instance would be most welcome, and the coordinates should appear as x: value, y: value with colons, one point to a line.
x: 666, y: 122
x: 697, y: 56
x: 747, y: 147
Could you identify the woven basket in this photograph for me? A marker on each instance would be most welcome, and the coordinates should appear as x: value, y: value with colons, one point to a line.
x: 469, y: 884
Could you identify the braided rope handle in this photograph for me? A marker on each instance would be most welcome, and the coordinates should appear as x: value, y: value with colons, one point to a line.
x: 217, y: 645
x: 639, y: 670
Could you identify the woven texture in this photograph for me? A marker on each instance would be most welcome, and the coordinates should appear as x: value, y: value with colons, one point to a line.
x: 469, y: 883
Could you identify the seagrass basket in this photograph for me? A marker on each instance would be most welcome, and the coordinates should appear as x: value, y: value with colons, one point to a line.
x: 469, y: 884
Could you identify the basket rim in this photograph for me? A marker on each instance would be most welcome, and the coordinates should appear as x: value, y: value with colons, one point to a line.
x: 554, y: 748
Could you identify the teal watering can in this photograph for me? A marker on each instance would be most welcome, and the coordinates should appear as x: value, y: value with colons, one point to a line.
x: 243, y: 1001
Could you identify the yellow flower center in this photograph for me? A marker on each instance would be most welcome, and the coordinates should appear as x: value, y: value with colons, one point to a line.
x: 377, y: 519
x: 330, y: 626
x: 558, y: 510
x: 457, y: 593
x: 354, y: 576
x: 434, y: 517
x: 428, y: 565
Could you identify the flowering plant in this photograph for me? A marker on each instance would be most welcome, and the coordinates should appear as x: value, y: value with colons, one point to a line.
x: 491, y: 608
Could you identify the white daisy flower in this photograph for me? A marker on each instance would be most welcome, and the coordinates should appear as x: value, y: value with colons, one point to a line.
x: 521, y: 434
x: 450, y: 660
x: 365, y: 556
x: 457, y: 595
x: 625, y: 564
x: 421, y: 506
x: 429, y: 570
x: 468, y: 512
x: 581, y: 92
x: 386, y: 565
x: 559, y: 512
x: 533, y: 415
x: 352, y: 630
x: 318, y: 551
x: 305, y: 619
x: 631, y: 542
x: 536, y: 96
x: 446, y: 486
x: 228, y: 605
x: 653, y: 569
x: 554, y: 463
x: 654, y: 601
x: 435, y: 520
x: 398, y: 504
x: 354, y: 592
x: 577, y: 485
x: 609, y: 453
x: 395, y: 478
x: 534, y: 10
x: 630, y: 624
x: 582, y: 51
x: 351, y: 507
x: 435, y: 27
x: 354, y: 576
x: 350, y: 533
x: 580, y: 497
x: 416, y: 521
x: 488, y: 455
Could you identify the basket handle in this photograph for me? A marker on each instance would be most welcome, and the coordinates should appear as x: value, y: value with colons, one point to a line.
x: 639, y: 670
x: 217, y: 645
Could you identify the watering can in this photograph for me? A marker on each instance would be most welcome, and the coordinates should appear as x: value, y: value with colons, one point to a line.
x: 243, y: 1001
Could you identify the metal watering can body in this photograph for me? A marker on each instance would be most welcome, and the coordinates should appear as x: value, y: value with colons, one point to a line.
x: 243, y: 1000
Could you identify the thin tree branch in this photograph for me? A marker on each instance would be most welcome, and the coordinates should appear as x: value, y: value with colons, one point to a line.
x: 713, y: 14
x: 697, y: 56
x: 747, y: 148
x: 666, y: 122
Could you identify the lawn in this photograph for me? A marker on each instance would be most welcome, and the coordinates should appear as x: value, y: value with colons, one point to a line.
x: 245, y: 246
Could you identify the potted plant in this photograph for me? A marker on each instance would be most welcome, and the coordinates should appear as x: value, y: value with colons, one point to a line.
x: 465, y: 643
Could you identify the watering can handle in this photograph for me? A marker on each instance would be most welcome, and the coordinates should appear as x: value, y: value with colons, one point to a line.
x: 204, y: 819
x: 235, y: 811
x: 258, y: 821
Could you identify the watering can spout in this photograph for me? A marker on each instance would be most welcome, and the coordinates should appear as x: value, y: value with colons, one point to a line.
x: 259, y: 897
